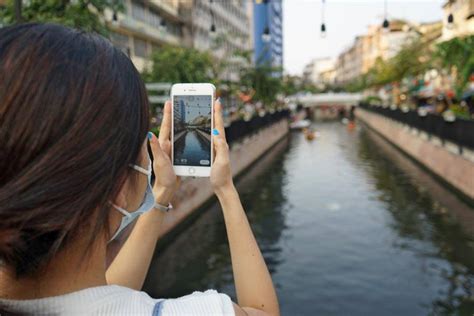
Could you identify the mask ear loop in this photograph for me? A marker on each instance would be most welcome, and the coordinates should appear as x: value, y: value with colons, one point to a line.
x: 140, y: 169
x: 121, y: 210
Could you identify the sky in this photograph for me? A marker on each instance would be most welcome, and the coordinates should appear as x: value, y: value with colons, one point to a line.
x: 345, y: 19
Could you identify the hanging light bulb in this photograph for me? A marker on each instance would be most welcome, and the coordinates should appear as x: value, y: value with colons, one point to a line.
x: 213, y: 24
x: 450, y: 24
x: 386, y: 23
x: 266, y: 34
x: 323, y: 24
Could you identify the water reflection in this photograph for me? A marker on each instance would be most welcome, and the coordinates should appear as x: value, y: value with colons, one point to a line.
x: 419, y: 217
x: 193, y: 148
x: 348, y: 226
x: 199, y: 257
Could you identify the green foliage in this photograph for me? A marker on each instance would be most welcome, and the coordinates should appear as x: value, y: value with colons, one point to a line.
x: 290, y: 85
x: 264, y: 81
x: 457, y: 54
x: 179, y: 64
x: 81, y: 14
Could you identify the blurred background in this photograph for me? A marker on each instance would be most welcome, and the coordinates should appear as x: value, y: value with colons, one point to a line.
x: 351, y: 125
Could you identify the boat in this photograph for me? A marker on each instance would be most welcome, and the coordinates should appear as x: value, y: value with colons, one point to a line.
x: 300, y: 124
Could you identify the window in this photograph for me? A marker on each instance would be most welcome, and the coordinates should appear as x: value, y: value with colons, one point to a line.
x: 138, y: 10
x: 140, y: 47
x: 121, y: 42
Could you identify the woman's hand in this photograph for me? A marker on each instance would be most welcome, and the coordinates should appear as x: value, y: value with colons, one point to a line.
x: 221, y: 174
x: 166, y: 181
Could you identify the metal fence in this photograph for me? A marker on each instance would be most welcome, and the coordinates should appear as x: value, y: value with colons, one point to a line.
x: 460, y: 132
x: 240, y: 129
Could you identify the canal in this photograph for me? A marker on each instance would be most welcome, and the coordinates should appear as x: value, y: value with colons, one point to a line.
x: 348, y: 226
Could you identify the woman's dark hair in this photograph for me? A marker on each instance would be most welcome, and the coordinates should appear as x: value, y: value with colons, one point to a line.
x: 73, y: 114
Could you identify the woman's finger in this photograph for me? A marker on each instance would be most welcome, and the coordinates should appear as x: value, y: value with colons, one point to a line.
x: 158, y: 154
x: 165, y: 128
x: 218, y: 119
x: 221, y: 148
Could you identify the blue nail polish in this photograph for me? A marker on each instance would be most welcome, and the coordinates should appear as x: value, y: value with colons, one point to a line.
x: 215, y: 132
x: 150, y: 135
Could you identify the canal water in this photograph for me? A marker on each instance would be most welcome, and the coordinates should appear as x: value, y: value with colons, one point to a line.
x: 348, y: 226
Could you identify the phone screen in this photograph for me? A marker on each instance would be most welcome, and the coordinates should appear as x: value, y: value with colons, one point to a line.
x: 192, y: 130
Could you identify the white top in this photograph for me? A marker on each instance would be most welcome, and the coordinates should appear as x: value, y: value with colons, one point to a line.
x: 118, y: 300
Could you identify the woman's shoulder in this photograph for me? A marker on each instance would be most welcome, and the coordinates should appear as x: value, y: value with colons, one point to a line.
x: 209, y: 303
x: 118, y: 300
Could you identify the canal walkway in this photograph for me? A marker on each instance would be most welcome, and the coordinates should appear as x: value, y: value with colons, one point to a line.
x: 347, y: 225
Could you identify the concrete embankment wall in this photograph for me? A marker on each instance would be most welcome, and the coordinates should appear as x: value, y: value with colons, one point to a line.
x: 194, y: 192
x: 441, y: 158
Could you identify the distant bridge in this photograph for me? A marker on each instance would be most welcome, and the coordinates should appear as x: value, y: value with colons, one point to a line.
x: 327, y: 105
x: 327, y: 99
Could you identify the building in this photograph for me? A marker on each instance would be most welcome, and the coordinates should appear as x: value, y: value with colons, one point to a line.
x: 462, y: 24
x: 349, y: 65
x: 320, y: 72
x: 144, y: 26
x: 219, y: 26
x: 378, y: 43
x: 228, y: 19
x: 268, y: 32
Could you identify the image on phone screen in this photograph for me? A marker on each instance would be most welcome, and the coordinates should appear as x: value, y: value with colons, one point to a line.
x: 192, y: 130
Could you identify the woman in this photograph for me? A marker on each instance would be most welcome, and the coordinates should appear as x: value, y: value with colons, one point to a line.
x: 74, y: 172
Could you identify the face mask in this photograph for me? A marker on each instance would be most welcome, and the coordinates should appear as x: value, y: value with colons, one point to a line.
x: 145, y: 206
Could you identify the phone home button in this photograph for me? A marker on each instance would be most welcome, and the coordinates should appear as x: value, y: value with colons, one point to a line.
x: 192, y: 170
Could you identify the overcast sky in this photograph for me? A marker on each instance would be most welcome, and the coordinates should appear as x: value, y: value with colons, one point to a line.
x: 344, y: 20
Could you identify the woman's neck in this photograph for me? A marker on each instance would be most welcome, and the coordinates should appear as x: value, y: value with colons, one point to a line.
x: 70, y: 270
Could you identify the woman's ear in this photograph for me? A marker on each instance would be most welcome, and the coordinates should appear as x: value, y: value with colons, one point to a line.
x: 121, y: 198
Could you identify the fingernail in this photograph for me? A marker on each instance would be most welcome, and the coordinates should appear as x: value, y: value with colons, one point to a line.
x: 215, y: 132
x: 218, y: 100
x: 150, y: 135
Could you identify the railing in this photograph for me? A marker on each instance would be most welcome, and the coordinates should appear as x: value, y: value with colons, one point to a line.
x: 240, y: 129
x: 460, y: 132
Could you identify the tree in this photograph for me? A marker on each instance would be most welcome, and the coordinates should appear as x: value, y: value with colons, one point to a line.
x: 87, y: 15
x: 263, y: 81
x: 179, y: 64
x: 457, y: 54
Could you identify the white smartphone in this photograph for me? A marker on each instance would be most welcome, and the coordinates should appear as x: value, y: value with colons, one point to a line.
x: 192, y: 123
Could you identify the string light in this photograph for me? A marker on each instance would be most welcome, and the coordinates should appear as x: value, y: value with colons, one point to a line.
x: 450, y: 20
x: 213, y: 25
x: 386, y: 23
x: 323, y: 24
x: 266, y: 36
